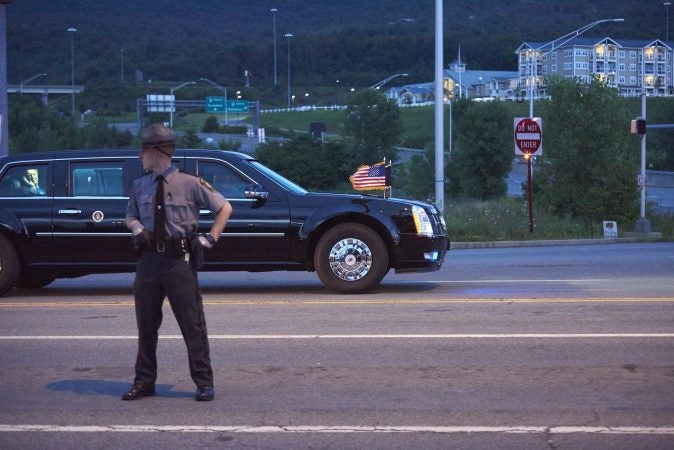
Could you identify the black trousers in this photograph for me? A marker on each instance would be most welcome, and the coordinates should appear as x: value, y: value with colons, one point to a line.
x: 159, y: 276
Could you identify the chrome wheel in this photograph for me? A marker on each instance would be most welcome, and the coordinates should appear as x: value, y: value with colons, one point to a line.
x: 350, y: 259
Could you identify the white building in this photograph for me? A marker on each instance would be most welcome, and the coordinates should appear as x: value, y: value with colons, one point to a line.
x: 632, y: 67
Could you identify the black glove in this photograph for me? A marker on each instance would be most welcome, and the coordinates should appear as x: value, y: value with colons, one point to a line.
x: 206, y: 240
x: 142, y: 240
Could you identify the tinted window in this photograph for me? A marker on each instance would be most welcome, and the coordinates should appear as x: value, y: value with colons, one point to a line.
x: 230, y: 183
x: 24, y: 181
x: 97, y: 179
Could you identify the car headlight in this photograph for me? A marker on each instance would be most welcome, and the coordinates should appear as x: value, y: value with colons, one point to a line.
x: 422, y: 221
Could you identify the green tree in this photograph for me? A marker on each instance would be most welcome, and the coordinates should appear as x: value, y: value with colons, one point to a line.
x: 374, y: 127
x: 35, y: 127
x: 307, y: 161
x: 482, y: 155
x: 190, y: 140
x: 211, y: 125
x: 589, y: 168
x: 418, y: 175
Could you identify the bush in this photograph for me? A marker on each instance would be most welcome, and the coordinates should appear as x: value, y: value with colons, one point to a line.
x: 211, y: 125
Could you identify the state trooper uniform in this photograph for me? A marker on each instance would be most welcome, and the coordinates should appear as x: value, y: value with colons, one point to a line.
x: 168, y: 266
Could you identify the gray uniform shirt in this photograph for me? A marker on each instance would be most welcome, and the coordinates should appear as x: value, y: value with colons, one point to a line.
x: 184, y: 196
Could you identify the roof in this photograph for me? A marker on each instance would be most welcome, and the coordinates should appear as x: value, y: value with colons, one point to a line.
x: 476, y: 77
x: 592, y: 41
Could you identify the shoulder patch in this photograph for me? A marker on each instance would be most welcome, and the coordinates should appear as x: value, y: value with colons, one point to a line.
x: 206, y: 184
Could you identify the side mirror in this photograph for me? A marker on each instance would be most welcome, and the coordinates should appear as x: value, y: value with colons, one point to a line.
x: 255, y: 192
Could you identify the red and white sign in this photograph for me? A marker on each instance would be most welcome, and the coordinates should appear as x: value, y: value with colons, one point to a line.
x: 528, y: 136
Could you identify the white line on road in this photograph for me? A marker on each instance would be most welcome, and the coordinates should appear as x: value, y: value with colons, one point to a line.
x: 332, y: 429
x: 579, y: 280
x: 362, y: 336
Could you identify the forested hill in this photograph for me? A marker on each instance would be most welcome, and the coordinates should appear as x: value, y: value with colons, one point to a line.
x: 356, y: 41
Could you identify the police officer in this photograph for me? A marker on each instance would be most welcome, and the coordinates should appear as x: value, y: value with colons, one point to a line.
x: 163, y: 213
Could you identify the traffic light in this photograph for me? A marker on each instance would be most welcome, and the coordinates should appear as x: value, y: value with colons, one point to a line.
x: 638, y: 126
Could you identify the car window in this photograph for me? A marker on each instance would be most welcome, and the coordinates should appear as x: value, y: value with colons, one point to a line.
x: 224, y: 179
x: 97, y: 179
x: 24, y: 181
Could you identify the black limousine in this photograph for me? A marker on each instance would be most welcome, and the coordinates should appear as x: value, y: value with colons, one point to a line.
x: 62, y: 216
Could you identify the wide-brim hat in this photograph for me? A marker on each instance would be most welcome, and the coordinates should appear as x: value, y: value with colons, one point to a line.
x: 157, y: 134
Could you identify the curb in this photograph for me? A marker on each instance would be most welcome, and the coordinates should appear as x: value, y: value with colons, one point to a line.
x: 550, y: 242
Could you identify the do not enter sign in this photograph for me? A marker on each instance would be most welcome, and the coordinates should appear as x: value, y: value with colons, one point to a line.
x: 528, y: 136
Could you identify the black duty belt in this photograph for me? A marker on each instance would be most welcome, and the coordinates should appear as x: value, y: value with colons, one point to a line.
x: 171, y: 246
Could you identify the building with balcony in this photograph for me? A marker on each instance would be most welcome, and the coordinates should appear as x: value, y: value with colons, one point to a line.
x: 632, y: 67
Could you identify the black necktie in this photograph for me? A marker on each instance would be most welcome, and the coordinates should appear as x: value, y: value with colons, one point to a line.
x: 159, y: 234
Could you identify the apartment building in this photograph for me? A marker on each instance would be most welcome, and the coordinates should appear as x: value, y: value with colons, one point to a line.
x: 632, y: 67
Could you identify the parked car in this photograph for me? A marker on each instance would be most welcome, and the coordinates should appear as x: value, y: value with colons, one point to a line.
x: 62, y: 216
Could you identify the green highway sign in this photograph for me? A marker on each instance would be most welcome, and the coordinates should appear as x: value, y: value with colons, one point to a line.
x: 237, y: 106
x: 217, y: 105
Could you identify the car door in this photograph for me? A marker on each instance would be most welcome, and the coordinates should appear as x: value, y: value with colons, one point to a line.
x: 257, y: 233
x: 26, y: 201
x: 89, y: 212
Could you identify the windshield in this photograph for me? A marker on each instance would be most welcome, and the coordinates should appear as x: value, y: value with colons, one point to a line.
x: 286, y: 183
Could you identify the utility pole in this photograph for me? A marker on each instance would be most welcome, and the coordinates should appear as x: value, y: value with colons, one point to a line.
x: 4, y: 127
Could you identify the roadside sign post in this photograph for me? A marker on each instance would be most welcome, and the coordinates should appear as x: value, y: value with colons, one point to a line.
x: 528, y: 134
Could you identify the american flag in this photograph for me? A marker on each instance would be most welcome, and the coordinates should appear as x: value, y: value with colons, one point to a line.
x: 371, y: 177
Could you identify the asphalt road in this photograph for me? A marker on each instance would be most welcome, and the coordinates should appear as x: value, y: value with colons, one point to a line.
x: 546, y: 347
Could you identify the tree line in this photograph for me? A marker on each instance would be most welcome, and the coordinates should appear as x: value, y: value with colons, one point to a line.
x: 588, y: 169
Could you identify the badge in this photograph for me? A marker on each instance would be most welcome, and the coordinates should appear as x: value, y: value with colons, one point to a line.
x: 206, y: 184
x: 98, y: 216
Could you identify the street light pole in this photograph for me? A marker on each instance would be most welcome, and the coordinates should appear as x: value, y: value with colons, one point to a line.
x: 554, y: 44
x: 273, y: 12
x: 72, y: 31
x: 667, y: 4
x: 386, y: 80
x: 224, y: 90
x: 439, y: 96
x: 4, y: 128
x: 173, y: 100
x: 288, y: 35
x: 28, y: 80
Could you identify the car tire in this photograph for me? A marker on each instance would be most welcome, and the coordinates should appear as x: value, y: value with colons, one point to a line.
x: 351, y: 258
x: 10, y: 269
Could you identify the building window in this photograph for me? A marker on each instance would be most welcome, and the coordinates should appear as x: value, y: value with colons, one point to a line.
x: 621, y: 80
x: 621, y: 67
x: 633, y: 54
x: 622, y: 54
x: 633, y: 67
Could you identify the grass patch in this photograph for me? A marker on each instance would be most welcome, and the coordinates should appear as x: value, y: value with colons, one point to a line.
x: 508, y: 219
x: 300, y: 120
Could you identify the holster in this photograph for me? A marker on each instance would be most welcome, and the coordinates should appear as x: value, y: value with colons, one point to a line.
x: 196, y: 252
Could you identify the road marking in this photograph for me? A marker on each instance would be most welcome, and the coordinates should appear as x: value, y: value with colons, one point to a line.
x: 370, y: 300
x: 333, y: 429
x: 359, y: 336
x: 579, y: 280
